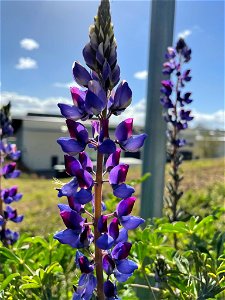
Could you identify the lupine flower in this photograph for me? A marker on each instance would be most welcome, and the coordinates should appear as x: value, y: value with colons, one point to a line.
x: 7, y: 171
x: 11, y: 214
x: 87, y: 282
x: 110, y: 290
x: 10, y: 195
x: 77, y: 235
x: 78, y: 138
x: 121, y: 100
x: 127, y: 141
x: 177, y: 117
x: 97, y: 98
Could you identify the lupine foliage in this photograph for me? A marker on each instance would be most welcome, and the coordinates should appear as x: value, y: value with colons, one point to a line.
x: 97, y: 100
x: 8, y: 151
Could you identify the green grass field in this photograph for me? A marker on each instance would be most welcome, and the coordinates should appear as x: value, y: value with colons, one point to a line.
x: 203, y: 185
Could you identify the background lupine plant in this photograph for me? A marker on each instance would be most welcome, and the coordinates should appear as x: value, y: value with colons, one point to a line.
x: 8, y: 170
x: 109, y: 233
x: 177, y: 117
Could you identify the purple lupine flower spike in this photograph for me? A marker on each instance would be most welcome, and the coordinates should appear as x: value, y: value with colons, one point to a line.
x: 175, y: 114
x: 7, y: 171
x: 99, y: 98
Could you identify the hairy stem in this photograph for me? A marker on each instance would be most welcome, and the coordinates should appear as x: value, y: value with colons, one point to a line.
x: 98, y: 208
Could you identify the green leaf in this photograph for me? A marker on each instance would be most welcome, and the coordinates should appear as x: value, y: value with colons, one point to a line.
x: 31, y: 285
x: 8, y: 280
x: 9, y: 254
x: 49, y: 269
x: 176, y: 227
x: 206, y: 221
x: 37, y: 240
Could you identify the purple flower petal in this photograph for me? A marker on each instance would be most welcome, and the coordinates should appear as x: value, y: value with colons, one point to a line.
x: 121, y: 250
x: 131, y: 222
x: 70, y: 111
x: 122, y: 98
x: 123, y: 190
x: 107, y: 147
x: 91, y: 285
x: 81, y: 75
x: 78, y: 97
x: 105, y: 242
x: 116, y: 75
x: 123, y: 236
x: 106, y: 71
x: 8, y: 168
x: 93, y: 104
x: 85, y: 161
x: 102, y: 224
x: 14, y: 174
x: 71, y: 165
x: 125, y: 206
x: 83, y: 196
x: 18, y: 219
x: 89, y: 56
x: 86, y: 237
x: 100, y: 55
x: 13, y: 191
x: 109, y: 289
x: 108, y: 264
x: 77, y: 131
x: 69, y: 188
x: 118, y: 174
x: 126, y: 266
x: 122, y: 277
x: 63, y: 207
x: 72, y: 220
x: 85, y: 265
x: 113, y: 160
x: 84, y: 179
x: 124, y: 130
x: 114, y: 228
x: 134, y: 143
x: 68, y: 237
x: 70, y: 146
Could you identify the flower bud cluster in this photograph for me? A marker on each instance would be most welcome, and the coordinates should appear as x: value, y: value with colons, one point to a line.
x: 98, y: 100
x: 8, y: 170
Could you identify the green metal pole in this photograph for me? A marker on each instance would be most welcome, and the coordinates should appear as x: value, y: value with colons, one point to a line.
x: 154, y: 158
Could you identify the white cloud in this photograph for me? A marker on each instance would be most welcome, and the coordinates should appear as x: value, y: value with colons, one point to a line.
x: 184, y: 34
x: 142, y: 75
x: 209, y: 121
x: 65, y: 85
x: 29, y: 44
x: 26, y: 63
x: 22, y: 104
x: 212, y: 121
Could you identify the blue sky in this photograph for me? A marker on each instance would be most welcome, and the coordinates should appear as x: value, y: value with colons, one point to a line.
x: 35, y: 73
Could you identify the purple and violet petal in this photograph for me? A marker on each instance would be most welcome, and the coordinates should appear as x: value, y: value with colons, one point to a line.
x: 105, y: 242
x: 131, y: 222
x: 125, y: 206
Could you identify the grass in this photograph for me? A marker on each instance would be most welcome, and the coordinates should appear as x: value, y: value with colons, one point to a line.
x: 203, y: 185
